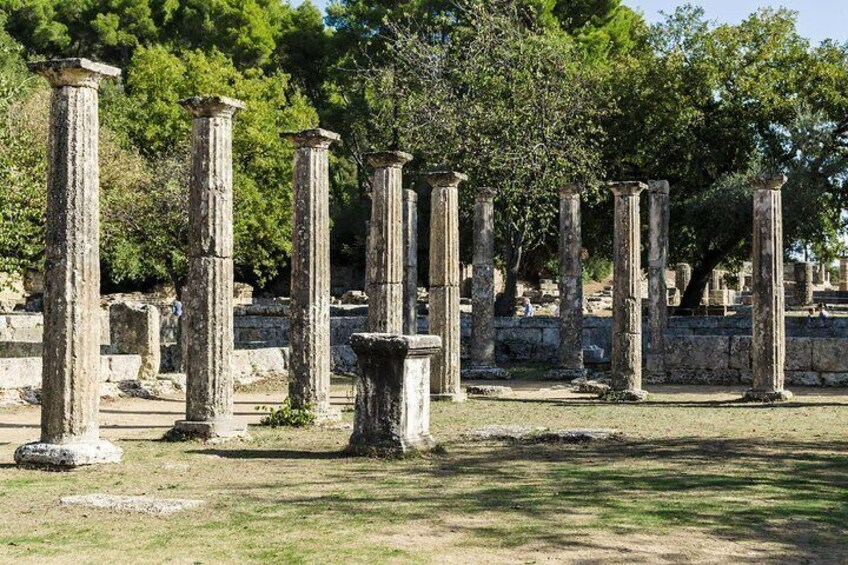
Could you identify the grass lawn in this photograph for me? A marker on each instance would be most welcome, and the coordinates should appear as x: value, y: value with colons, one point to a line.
x: 698, y: 478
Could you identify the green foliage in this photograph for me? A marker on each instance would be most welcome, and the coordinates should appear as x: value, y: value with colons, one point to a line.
x: 596, y: 268
x: 287, y: 415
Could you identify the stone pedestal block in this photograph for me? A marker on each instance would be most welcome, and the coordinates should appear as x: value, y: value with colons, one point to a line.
x: 682, y: 276
x: 410, y: 256
x: 444, y: 283
x: 627, y: 295
x: 768, y: 345
x: 658, y: 216
x: 135, y: 330
x: 392, y: 393
x: 843, y: 274
x: 209, y: 286
x: 310, y: 278
x: 70, y: 434
x: 385, y: 243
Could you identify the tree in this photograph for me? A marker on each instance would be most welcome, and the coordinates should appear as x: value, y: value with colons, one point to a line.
x: 504, y: 102
x: 710, y: 104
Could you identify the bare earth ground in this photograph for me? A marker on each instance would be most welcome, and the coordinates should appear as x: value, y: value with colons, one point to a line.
x: 698, y: 478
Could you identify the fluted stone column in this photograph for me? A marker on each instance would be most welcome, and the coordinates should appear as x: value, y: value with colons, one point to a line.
x: 70, y: 433
x: 627, y: 296
x: 658, y: 208
x: 410, y: 258
x: 385, y: 251
x: 483, y: 331
x: 444, y: 284
x: 803, y: 283
x: 768, y: 346
x: 310, y: 278
x: 209, y: 286
x: 843, y: 274
x: 570, y: 284
x: 682, y: 276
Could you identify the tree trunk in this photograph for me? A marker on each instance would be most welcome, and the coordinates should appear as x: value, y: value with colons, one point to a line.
x: 505, y: 304
x: 701, y: 271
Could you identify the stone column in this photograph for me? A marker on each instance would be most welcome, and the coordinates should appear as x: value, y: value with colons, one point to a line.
x: 803, y: 284
x: 385, y: 251
x: 410, y: 255
x: 70, y: 433
x: 843, y: 274
x: 310, y: 277
x: 627, y: 296
x: 570, y: 284
x: 682, y: 276
x: 209, y: 287
x: 768, y: 347
x: 135, y: 329
x: 483, y: 331
x: 392, y: 393
x: 658, y: 204
x: 444, y: 283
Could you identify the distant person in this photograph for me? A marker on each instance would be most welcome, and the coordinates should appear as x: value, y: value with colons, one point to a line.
x: 177, y: 308
x: 811, y: 313
x: 528, y: 308
x: 823, y: 311
x: 556, y: 308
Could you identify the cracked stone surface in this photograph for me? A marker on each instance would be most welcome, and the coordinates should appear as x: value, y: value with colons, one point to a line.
x: 132, y: 504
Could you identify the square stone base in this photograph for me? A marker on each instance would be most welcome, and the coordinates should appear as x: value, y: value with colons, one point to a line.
x: 67, y: 456
x: 633, y: 395
x: 448, y: 397
x: 361, y: 445
x: 486, y: 374
x: 208, y: 430
x: 764, y: 396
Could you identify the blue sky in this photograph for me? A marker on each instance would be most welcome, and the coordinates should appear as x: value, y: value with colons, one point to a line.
x: 818, y: 19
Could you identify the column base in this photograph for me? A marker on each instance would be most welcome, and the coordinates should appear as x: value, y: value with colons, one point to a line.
x: 486, y: 374
x: 449, y: 397
x: 632, y: 395
x: 565, y: 374
x: 38, y: 455
x: 361, y: 445
x: 218, y: 430
x: 765, y: 396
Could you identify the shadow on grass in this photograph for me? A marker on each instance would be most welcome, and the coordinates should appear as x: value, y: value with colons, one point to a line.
x: 791, y: 493
x: 732, y: 403
x: 271, y: 454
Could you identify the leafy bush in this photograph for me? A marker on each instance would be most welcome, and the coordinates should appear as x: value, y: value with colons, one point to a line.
x: 288, y: 416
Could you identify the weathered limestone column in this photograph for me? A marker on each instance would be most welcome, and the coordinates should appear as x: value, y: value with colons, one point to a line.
x: 392, y: 393
x: 570, y: 284
x: 843, y: 274
x: 444, y: 284
x: 310, y: 278
x: 803, y: 283
x: 385, y: 248
x: 682, y: 276
x: 410, y: 257
x: 483, y: 331
x: 209, y: 287
x: 715, y: 280
x: 627, y: 296
x: 768, y: 347
x: 658, y: 209
x: 70, y: 434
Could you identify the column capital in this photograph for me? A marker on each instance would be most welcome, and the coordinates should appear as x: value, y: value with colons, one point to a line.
x: 74, y: 72
x: 386, y: 159
x: 767, y: 182
x: 627, y: 188
x: 444, y: 179
x: 570, y: 189
x: 317, y: 138
x: 485, y: 193
x: 212, y: 106
x: 410, y: 196
x: 658, y: 186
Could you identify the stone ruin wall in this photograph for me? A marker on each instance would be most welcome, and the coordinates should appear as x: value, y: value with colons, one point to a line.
x: 708, y: 351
